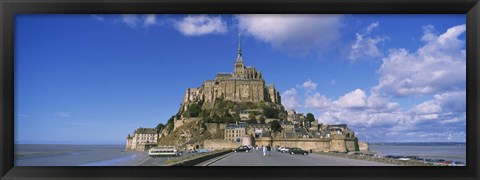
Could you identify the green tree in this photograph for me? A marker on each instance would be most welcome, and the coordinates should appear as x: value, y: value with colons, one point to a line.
x: 261, y: 104
x: 310, y: 117
x: 170, y: 123
x: 251, y: 116
x: 216, y: 118
x: 236, y: 118
x: 208, y: 119
x: 270, y: 112
x: 262, y: 120
x: 275, y: 126
x: 194, y: 110
x: 204, y: 113
x: 252, y: 121
x: 160, y: 127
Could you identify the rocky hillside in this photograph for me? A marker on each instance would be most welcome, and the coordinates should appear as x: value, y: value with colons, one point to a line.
x: 192, y: 132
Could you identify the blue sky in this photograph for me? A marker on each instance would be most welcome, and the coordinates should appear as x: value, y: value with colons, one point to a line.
x: 92, y: 79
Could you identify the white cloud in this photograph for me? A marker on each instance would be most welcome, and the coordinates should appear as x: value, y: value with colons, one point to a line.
x: 150, y: 19
x: 290, y: 99
x: 438, y: 66
x: 365, y: 46
x: 449, y: 107
x: 317, y: 101
x: 295, y: 33
x: 364, y: 112
x: 436, y: 69
x: 333, y: 82
x: 377, y: 124
x: 354, y: 99
x: 98, y: 17
x: 309, y: 85
x: 371, y: 27
x: 62, y: 114
x: 428, y: 107
x: 197, y: 25
x: 452, y: 101
x: 136, y: 20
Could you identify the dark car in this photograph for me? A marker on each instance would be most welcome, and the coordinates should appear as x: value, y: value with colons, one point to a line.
x: 298, y: 151
x: 241, y: 149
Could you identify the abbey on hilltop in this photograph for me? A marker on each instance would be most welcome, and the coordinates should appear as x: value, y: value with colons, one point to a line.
x: 245, y: 84
x: 236, y: 109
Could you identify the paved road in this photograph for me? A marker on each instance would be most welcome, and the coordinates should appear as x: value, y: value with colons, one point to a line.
x: 256, y: 158
x: 160, y: 161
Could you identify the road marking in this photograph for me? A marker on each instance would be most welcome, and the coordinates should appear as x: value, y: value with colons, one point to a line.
x: 146, y: 159
x: 217, y: 159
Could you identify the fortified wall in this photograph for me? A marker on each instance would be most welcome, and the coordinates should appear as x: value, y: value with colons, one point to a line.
x: 363, y: 146
x: 314, y: 144
x: 219, y: 144
x: 215, y: 128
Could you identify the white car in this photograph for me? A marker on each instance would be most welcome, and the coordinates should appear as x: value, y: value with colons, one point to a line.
x: 284, y: 149
x: 457, y: 163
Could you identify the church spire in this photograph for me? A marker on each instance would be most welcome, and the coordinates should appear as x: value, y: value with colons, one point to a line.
x: 239, y: 51
x: 239, y: 46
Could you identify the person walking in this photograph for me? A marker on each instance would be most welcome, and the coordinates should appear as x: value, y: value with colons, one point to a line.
x: 264, y: 149
x: 268, y: 150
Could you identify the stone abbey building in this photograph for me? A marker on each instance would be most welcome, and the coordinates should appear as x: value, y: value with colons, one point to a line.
x: 245, y: 84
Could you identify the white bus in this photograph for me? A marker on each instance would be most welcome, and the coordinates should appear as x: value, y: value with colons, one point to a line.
x: 163, y: 151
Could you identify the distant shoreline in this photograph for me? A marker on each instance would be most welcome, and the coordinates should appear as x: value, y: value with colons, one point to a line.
x: 418, y: 143
x: 70, y: 144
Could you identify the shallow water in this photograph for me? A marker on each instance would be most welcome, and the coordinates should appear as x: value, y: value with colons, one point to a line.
x: 447, y: 151
x: 76, y: 155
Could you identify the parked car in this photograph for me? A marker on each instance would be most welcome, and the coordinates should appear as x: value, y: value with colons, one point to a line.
x: 284, y: 149
x: 378, y: 156
x: 279, y: 148
x: 440, y: 162
x: 241, y: 149
x: 457, y: 163
x: 199, y: 151
x: 298, y: 151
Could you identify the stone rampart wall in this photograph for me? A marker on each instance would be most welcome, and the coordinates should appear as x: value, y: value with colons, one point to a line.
x: 219, y: 144
x: 314, y: 144
x: 363, y: 146
x: 352, y: 145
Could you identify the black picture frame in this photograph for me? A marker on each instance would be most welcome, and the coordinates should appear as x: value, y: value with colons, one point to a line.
x: 9, y: 8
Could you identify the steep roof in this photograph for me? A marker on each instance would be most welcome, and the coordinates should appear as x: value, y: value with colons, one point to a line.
x: 146, y: 131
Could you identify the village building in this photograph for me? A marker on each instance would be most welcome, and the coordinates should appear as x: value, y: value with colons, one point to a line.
x: 235, y: 131
x: 142, y: 139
